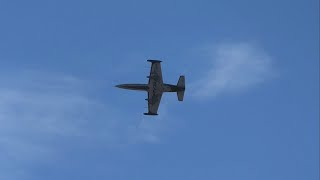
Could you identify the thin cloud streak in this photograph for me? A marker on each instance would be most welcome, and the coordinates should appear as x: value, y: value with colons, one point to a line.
x: 41, y: 114
x: 235, y: 67
x: 150, y: 128
x: 35, y: 113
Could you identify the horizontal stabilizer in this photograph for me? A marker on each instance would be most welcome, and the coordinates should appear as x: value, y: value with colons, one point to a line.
x: 180, y: 95
x: 181, y: 86
x: 181, y: 82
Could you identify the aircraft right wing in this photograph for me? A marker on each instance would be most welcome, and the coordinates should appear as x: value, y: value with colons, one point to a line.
x: 153, y: 102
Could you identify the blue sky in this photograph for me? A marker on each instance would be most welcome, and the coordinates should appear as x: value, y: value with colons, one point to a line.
x: 251, y: 108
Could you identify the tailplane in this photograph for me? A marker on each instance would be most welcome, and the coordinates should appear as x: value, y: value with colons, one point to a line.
x: 181, y: 85
x: 180, y: 95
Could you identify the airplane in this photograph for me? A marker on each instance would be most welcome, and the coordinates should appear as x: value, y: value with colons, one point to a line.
x: 156, y: 87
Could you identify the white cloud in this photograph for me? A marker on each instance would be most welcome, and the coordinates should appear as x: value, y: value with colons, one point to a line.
x: 149, y: 128
x: 43, y: 113
x: 234, y: 67
x: 36, y: 109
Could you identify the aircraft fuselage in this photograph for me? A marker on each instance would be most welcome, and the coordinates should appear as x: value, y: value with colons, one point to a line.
x: 157, y: 86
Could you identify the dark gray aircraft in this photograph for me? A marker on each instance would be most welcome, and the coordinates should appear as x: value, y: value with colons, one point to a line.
x: 156, y: 87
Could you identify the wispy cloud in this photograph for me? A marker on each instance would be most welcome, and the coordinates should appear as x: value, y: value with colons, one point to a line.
x: 40, y: 113
x: 233, y: 67
x: 149, y: 129
x: 36, y: 108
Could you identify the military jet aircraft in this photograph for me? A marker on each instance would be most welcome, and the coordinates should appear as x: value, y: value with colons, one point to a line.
x: 156, y: 87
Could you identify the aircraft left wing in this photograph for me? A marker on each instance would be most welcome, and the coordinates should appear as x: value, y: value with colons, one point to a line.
x: 154, y: 85
x: 155, y: 72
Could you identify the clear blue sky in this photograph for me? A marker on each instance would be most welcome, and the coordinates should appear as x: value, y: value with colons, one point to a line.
x: 251, y: 109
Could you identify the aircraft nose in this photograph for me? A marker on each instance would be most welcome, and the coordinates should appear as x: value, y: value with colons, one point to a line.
x: 120, y: 86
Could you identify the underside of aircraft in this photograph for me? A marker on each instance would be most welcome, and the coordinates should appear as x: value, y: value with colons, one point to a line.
x: 155, y: 87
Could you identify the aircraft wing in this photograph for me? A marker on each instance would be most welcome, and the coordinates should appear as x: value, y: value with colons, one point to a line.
x: 154, y: 84
x: 155, y: 72
x: 153, y: 103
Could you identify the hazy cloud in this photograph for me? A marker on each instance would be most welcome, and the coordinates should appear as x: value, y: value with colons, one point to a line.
x: 36, y: 109
x: 150, y: 127
x: 233, y: 67
x: 43, y: 113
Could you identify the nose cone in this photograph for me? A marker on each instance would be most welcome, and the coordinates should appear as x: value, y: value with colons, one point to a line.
x: 122, y: 86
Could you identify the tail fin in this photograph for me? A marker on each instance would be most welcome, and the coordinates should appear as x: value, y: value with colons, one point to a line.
x: 181, y: 84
